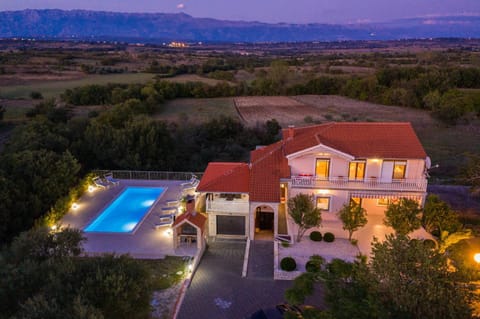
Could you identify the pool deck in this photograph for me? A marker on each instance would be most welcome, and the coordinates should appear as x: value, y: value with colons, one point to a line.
x: 146, y: 241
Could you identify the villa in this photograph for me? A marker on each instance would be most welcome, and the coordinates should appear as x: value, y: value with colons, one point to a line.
x: 369, y: 163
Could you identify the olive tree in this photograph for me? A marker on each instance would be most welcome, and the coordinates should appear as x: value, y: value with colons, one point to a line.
x: 353, y: 217
x: 304, y: 213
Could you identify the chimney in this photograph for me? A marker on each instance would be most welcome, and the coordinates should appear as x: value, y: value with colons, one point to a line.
x: 289, y: 132
x: 190, y: 205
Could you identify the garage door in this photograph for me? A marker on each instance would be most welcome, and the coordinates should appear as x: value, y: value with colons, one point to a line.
x: 230, y: 225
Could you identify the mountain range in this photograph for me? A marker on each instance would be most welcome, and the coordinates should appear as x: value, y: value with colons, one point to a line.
x: 157, y: 27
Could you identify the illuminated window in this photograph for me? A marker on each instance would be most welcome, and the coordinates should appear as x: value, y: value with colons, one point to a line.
x: 356, y: 171
x: 323, y: 203
x: 399, y: 169
x: 322, y: 167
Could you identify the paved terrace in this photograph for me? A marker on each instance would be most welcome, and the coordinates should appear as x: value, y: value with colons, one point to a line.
x: 146, y: 241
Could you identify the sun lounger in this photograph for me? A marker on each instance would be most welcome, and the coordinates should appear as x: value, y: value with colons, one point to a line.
x: 172, y: 203
x: 109, y: 178
x: 165, y: 220
x: 169, y: 210
x: 193, y: 182
x: 99, y: 182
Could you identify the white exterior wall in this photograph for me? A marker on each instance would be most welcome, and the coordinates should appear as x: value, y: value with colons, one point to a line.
x: 305, y: 164
x: 337, y: 199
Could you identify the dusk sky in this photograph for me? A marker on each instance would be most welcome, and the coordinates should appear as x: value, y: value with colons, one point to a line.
x: 296, y: 11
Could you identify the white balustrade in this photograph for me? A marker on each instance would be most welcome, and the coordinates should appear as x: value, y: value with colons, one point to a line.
x: 416, y: 185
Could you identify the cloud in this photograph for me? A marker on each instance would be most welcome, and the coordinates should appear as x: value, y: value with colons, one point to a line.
x: 180, y: 6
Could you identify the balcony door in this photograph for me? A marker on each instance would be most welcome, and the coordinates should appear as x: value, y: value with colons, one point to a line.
x: 322, y: 168
x: 356, y: 171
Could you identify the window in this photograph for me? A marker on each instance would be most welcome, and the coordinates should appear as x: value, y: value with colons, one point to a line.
x: 356, y: 171
x: 322, y: 168
x: 323, y: 203
x: 399, y: 169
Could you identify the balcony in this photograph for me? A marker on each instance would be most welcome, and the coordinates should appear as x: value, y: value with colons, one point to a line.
x: 403, y: 185
x: 231, y: 206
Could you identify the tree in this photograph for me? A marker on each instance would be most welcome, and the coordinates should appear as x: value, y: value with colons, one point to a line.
x: 403, y: 279
x: 353, y: 217
x: 471, y: 171
x: 415, y: 282
x: 403, y: 216
x: 438, y: 216
x: 304, y: 213
x: 41, y: 277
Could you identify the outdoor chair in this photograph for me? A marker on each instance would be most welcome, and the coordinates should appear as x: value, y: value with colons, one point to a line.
x: 109, y: 178
x: 100, y: 182
x: 165, y: 220
x: 193, y: 182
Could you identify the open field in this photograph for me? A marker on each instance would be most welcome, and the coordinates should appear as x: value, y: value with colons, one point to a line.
x: 195, y: 110
x: 55, y: 88
x: 261, y: 108
x: 191, y: 78
x: 15, y: 109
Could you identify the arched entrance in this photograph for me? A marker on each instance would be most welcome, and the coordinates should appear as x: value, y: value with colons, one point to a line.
x: 264, y: 222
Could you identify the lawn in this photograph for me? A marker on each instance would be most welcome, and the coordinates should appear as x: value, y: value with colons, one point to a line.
x: 55, y: 88
x: 196, y: 110
x: 166, y: 272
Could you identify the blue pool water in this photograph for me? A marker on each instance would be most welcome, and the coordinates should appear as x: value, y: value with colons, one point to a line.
x: 126, y: 211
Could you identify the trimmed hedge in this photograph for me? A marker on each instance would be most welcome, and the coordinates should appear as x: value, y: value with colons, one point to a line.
x: 288, y: 264
x: 329, y: 237
x: 316, y: 236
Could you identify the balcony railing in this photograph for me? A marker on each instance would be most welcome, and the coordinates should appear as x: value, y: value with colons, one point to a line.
x: 234, y: 206
x: 411, y: 185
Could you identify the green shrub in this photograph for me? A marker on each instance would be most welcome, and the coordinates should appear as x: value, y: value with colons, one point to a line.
x: 354, y: 242
x: 312, y: 266
x: 429, y: 244
x: 288, y: 264
x: 316, y: 236
x: 329, y: 237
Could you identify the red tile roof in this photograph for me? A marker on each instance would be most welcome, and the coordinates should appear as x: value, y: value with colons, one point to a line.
x: 269, y: 164
x: 225, y: 178
x: 196, y: 219
x: 361, y: 140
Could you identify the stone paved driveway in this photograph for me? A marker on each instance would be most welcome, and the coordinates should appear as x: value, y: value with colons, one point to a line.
x: 218, y: 290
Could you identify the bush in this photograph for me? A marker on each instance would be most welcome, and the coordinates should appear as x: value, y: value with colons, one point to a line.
x: 36, y: 95
x: 288, y: 264
x: 312, y: 266
x: 329, y: 237
x: 316, y: 236
x: 429, y: 244
x: 285, y: 244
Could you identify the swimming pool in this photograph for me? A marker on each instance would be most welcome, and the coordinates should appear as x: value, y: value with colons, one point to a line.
x: 126, y: 211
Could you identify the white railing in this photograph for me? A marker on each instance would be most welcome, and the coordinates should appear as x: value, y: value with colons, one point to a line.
x: 234, y: 206
x: 149, y: 175
x: 416, y: 185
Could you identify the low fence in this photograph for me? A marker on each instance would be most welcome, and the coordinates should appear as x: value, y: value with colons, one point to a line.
x: 150, y: 175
